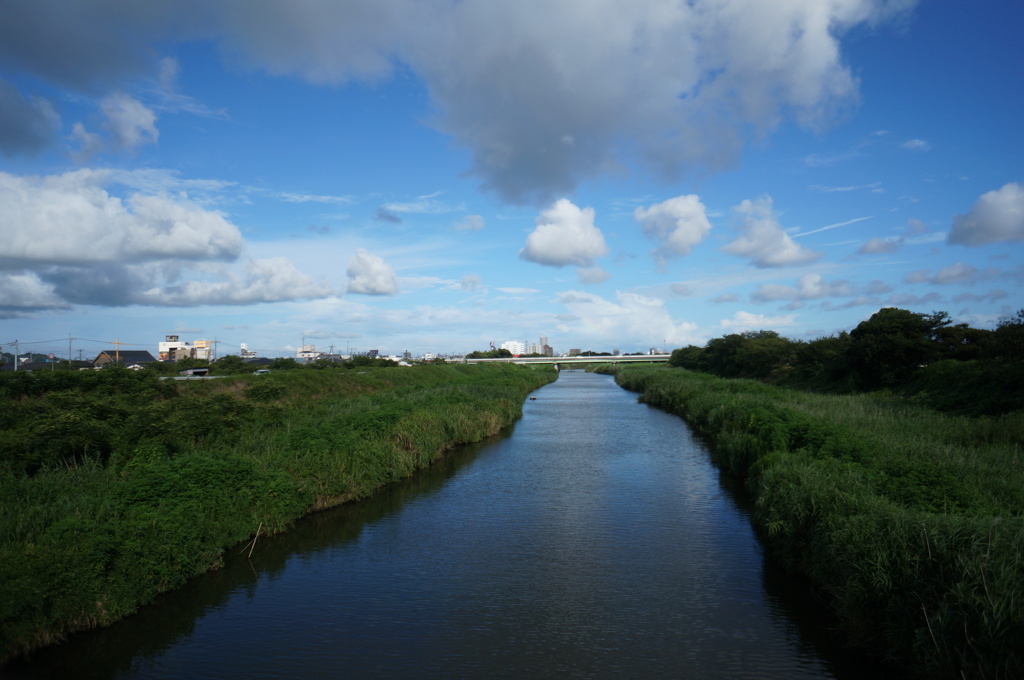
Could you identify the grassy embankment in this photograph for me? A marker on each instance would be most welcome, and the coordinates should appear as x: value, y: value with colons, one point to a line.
x: 115, y: 487
x: 910, y: 522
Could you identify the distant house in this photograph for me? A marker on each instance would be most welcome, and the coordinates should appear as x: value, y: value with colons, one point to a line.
x: 128, y: 357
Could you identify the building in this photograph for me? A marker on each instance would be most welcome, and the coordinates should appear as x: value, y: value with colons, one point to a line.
x: 173, y: 349
x: 203, y: 350
x: 246, y: 352
x: 307, y: 353
x: 515, y: 346
x: 574, y: 352
x: 128, y: 357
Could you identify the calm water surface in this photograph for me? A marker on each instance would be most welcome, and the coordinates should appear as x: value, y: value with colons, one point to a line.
x: 594, y: 541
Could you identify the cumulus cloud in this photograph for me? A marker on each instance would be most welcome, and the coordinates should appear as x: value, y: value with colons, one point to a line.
x: 631, y: 318
x: 26, y: 124
x: 26, y: 292
x: 71, y: 218
x: 677, y: 224
x: 565, y: 235
x: 996, y: 217
x: 763, y: 239
x: 809, y: 287
x: 540, y: 99
x: 71, y: 240
x: 267, y: 280
x: 370, y: 275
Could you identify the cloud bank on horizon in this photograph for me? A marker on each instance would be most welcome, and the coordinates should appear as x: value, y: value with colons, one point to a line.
x: 128, y: 178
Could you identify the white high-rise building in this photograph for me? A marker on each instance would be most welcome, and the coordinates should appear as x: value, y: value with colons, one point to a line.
x: 515, y: 346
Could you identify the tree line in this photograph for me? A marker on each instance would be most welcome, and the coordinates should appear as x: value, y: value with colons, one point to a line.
x: 949, y: 366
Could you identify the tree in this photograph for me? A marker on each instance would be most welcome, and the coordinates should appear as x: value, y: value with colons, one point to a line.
x: 1007, y: 341
x: 229, y: 364
x: 689, y: 357
x: 824, y: 363
x: 886, y: 349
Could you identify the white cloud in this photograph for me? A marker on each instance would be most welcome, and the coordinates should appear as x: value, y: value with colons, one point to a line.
x: 425, y: 205
x: 631, y: 319
x: 916, y: 145
x: 25, y: 291
x: 470, y: 223
x: 370, y: 275
x: 71, y: 218
x: 828, y: 190
x: 678, y: 225
x: 809, y: 287
x: 268, y: 280
x: 128, y: 120
x: 997, y: 216
x: 877, y: 246
x: 592, y: 275
x: 954, y: 273
x: 565, y: 235
x: 763, y: 240
x: 745, y: 321
x: 85, y: 144
x: 291, y: 197
x: 471, y: 283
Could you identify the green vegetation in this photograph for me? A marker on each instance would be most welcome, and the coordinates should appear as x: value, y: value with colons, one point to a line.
x: 116, y: 486
x: 911, y: 354
x: 490, y: 354
x: 909, y: 521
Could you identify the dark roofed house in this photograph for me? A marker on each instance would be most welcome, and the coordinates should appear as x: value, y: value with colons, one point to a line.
x: 128, y: 357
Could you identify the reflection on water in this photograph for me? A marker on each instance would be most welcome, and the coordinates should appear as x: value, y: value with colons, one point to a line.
x: 593, y: 540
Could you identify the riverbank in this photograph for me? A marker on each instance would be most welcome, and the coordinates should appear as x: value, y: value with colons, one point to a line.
x: 117, y: 487
x: 908, y: 521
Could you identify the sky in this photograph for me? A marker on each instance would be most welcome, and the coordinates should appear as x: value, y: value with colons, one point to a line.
x: 433, y: 176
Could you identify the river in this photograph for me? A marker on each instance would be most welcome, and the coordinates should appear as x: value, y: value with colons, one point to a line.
x: 593, y: 540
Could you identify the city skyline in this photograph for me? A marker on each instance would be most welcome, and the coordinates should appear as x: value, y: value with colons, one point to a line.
x: 432, y: 177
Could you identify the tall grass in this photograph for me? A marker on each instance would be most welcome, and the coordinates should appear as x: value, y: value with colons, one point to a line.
x: 909, y: 521
x: 186, y: 470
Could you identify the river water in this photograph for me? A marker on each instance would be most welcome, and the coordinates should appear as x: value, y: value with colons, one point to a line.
x: 593, y: 540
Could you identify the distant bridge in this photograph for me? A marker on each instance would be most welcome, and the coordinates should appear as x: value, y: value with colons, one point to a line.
x: 562, y: 362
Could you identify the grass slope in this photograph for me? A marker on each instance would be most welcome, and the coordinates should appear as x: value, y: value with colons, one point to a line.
x: 115, y: 487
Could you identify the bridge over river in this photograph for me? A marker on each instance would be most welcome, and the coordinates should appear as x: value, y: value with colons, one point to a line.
x: 562, y: 362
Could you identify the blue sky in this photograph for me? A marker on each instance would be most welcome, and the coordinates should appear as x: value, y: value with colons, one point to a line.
x: 435, y: 176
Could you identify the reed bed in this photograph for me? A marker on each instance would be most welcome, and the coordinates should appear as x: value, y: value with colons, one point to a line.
x: 92, y: 526
x: 909, y: 522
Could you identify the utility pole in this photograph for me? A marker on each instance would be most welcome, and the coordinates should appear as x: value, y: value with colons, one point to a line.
x: 15, y: 355
x: 69, y: 350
